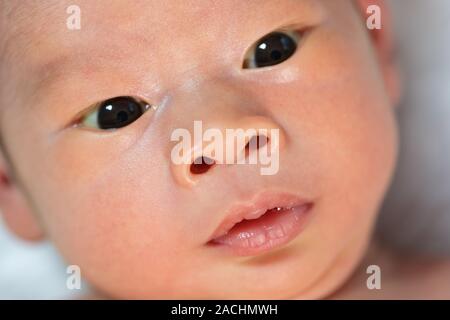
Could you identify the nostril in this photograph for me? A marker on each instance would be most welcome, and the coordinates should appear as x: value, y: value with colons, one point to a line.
x: 201, y: 165
x: 256, y: 142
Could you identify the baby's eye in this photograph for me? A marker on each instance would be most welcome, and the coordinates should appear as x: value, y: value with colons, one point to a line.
x: 271, y: 49
x: 114, y: 113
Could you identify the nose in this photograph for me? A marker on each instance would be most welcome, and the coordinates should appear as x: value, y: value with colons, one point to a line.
x: 223, y: 126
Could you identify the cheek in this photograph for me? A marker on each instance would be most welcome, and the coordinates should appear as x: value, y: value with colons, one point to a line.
x: 122, y: 228
x: 359, y: 135
x: 338, y: 115
x: 113, y: 215
x: 359, y: 159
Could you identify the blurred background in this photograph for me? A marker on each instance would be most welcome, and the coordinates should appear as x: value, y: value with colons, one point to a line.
x: 416, y: 213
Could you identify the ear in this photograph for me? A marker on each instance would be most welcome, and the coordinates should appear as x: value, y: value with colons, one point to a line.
x: 383, y: 41
x: 14, y: 208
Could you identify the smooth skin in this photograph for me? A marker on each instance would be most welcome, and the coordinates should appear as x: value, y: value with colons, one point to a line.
x: 114, y: 203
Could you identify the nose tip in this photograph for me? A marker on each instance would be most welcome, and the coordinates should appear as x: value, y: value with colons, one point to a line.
x: 207, y: 147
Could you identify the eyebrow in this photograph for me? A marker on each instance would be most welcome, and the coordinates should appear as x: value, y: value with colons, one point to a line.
x: 75, y: 62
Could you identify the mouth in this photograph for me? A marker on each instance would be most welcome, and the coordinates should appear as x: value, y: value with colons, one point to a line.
x: 262, y: 225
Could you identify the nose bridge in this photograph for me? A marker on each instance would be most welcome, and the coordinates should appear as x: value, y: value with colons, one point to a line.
x: 220, y: 125
x: 214, y: 101
x: 218, y: 104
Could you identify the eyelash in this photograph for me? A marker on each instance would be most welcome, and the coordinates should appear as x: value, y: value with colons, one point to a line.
x: 95, y: 109
x: 294, y: 34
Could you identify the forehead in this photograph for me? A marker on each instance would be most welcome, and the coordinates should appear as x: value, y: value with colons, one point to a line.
x: 156, y: 10
x: 41, y: 22
x: 121, y: 31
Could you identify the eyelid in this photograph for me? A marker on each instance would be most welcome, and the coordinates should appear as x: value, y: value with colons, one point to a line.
x: 82, y: 115
x: 295, y: 31
x: 296, y: 34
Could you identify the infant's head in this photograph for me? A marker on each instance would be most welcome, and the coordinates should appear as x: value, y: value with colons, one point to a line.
x: 96, y: 176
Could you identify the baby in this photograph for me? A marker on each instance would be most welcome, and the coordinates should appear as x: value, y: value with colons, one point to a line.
x: 87, y: 116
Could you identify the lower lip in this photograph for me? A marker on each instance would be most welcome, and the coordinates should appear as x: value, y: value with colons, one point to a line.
x: 270, y: 231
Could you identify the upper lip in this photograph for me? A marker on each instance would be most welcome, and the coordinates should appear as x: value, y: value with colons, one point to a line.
x: 255, y: 208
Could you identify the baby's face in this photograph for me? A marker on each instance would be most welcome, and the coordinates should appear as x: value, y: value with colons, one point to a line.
x: 139, y: 225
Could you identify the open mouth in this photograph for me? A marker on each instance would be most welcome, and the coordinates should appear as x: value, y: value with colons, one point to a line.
x: 263, y: 226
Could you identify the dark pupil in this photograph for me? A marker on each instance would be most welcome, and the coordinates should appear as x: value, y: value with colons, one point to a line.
x: 273, y: 49
x: 118, y: 112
